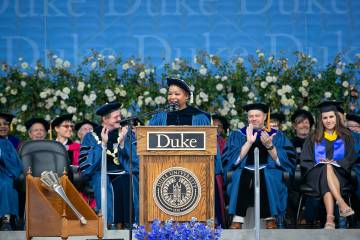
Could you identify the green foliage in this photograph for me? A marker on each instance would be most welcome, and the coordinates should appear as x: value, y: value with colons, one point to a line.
x: 219, y: 85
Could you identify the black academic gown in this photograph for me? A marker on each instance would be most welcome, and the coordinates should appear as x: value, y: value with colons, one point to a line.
x: 315, y: 173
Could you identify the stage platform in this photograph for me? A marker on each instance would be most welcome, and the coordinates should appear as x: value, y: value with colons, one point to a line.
x: 245, y: 234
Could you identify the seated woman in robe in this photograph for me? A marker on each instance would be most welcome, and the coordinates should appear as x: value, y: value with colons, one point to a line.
x: 327, y: 158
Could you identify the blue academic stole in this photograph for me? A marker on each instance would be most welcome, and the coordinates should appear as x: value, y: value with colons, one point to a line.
x: 339, y: 150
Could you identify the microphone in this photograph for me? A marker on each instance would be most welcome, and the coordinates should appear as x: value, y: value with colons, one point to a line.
x: 173, y: 106
x: 124, y: 122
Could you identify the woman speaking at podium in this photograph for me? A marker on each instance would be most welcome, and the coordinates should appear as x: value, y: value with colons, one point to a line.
x: 179, y: 94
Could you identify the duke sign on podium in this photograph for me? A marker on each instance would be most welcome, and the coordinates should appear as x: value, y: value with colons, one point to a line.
x: 176, y: 140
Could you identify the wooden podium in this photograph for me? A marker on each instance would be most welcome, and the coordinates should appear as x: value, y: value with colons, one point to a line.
x: 176, y: 172
x: 47, y: 215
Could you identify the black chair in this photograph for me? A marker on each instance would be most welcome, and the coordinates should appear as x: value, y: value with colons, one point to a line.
x: 306, y: 190
x: 44, y: 155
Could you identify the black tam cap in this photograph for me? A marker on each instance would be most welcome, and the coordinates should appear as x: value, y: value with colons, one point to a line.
x: 180, y: 83
x: 280, y: 117
x: 7, y: 117
x: 256, y: 106
x: 32, y: 121
x: 223, y: 121
x: 327, y: 106
x: 108, y: 108
x: 303, y: 113
x: 353, y: 117
x: 59, y: 120
x: 85, y: 121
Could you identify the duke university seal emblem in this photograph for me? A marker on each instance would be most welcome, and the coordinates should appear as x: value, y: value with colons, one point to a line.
x: 177, y: 191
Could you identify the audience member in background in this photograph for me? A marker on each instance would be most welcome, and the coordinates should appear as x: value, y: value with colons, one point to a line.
x: 5, y: 123
x: 83, y: 127
x: 222, y: 128
x: 63, y: 126
x: 276, y: 155
x: 327, y: 158
x: 276, y: 120
x: 10, y: 168
x: 303, y: 122
x: 37, y: 128
x: 353, y: 122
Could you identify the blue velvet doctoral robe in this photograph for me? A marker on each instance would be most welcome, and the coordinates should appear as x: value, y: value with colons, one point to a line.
x: 10, y: 168
x: 90, y: 165
x: 276, y: 188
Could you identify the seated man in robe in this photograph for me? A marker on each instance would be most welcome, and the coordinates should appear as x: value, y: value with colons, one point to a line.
x: 276, y: 155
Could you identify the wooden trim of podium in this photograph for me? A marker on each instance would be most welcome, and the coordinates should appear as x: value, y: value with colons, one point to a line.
x: 153, y: 163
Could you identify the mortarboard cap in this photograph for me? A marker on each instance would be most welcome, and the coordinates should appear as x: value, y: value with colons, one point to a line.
x: 256, y: 106
x: 108, y: 108
x: 353, y: 117
x: 327, y: 106
x: 304, y: 113
x: 85, y: 121
x: 280, y: 117
x: 223, y: 121
x: 7, y: 117
x: 180, y: 83
x: 59, y: 120
x: 33, y: 120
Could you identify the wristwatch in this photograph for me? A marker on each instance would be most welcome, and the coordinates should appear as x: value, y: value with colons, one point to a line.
x: 270, y: 148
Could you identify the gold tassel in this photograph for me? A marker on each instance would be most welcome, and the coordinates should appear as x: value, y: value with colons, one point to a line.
x: 268, y: 128
x: 11, y: 127
x: 50, y: 133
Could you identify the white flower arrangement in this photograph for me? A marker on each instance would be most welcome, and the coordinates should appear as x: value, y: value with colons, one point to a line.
x: 66, y: 64
x: 163, y: 90
x: 224, y: 78
x: 345, y: 84
x: 203, y: 70
x: 327, y: 95
x: 142, y: 75
x: 219, y: 87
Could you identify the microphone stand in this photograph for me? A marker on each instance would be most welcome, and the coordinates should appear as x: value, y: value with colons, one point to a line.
x: 172, y: 107
x: 129, y: 136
